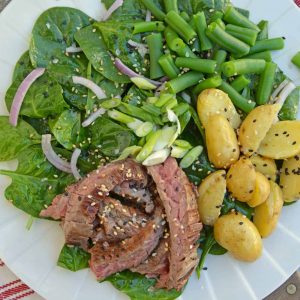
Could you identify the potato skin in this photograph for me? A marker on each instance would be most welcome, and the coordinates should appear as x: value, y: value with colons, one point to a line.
x: 261, y: 191
x: 264, y: 165
x: 282, y: 140
x: 214, y: 101
x: 211, y: 195
x: 239, y: 236
x: 267, y: 214
x: 240, y: 179
x: 290, y: 179
x: 255, y: 127
x: 221, y: 142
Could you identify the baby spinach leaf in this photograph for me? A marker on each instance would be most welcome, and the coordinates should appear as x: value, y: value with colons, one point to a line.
x: 116, y: 36
x: 66, y: 128
x: 44, y: 98
x: 138, y: 287
x: 290, y: 107
x: 40, y: 125
x: 23, y: 66
x: 95, y: 49
x: 241, y: 207
x: 53, y: 32
x: 35, y: 182
x: 135, y: 96
x: 131, y: 9
x: 73, y: 258
x: 15, y: 139
x: 110, y: 137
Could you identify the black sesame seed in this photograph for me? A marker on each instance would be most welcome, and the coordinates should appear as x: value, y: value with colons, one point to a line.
x: 265, y: 165
x: 230, y: 176
x: 250, y: 150
x: 276, y: 134
x: 225, y: 109
x: 204, y: 268
x: 233, y: 150
x: 251, y: 191
x: 285, y: 132
x: 294, y: 143
x: 46, y: 94
x: 254, y: 121
x: 241, y: 223
x: 297, y: 157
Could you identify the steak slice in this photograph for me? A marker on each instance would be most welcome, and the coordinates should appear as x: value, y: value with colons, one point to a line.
x: 157, y: 264
x: 137, y: 194
x: 118, y: 221
x: 109, y: 259
x: 79, y: 218
x: 178, y: 197
x: 57, y: 210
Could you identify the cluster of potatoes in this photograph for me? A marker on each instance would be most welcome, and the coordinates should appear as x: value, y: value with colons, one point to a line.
x: 245, y: 153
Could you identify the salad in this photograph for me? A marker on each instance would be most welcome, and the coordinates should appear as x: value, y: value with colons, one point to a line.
x: 170, y: 95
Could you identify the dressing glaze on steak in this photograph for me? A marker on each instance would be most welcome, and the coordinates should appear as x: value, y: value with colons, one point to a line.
x: 128, y: 220
x: 179, y: 200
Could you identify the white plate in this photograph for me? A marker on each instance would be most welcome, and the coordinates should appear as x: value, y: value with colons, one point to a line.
x: 32, y: 255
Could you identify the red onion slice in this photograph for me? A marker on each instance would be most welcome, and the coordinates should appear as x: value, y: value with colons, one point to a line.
x: 113, y: 7
x: 130, y: 73
x: 142, y: 49
x: 101, y: 111
x: 97, y: 90
x: 20, y: 94
x: 52, y: 157
x: 74, y: 160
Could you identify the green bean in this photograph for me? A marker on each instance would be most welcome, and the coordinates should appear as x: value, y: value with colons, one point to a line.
x: 177, y: 45
x: 236, y: 98
x: 264, y: 30
x: 149, y: 146
x: 168, y: 66
x: 212, y: 82
x: 240, y: 83
x: 296, y: 59
x: 148, y: 26
x: 144, y: 129
x: 216, y: 15
x: 220, y: 23
x: 197, y: 64
x: 180, y: 109
x: 178, y: 24
x: 266, y: 55
x: 184, y: 81
x: 232, y: 16
x: 112, y: 103
x: 243, y: 66
x: 151, y: 109
x: 226, y: 41
x: 201, y: 26
x: 244, y: 34
x: 171, y: 5
x: 191, y: 157
x: 160, y: 15
x: 155, y: 45
x: 266, y: 82
x: 185, y: 16
x: 244, y: 12
x: 265, y: 45
x: 219, y: 56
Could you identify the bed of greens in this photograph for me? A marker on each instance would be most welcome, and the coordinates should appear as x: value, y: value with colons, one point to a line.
x: 127, y: 86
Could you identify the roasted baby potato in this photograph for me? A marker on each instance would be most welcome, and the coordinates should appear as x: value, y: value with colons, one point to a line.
x: 290, y: 179
x: 239, y: 236
x: 267, y: 214
x: 221, y: 142
x: 261, y: 191
x: 214, y: 101
x: 282, y: 140
x: 241, y: 179
x: 255, y: 127
x: 211, y: 195
x: 264, y: 165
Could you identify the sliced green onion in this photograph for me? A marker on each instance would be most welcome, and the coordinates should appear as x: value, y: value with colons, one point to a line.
x: 163, y: 99
x: 181, y: 108
x: 144, y: 129
x: 143, y: 83
x: 152, y: 100
x: 157, y: 157
x: 152, y: 109
x: 191, y: 157
x: 120, y: 117
x: 174, y: 119
x: 183, y: 144
x: 112, y: 103
x: 178, y: 152
x: 129, y: 151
